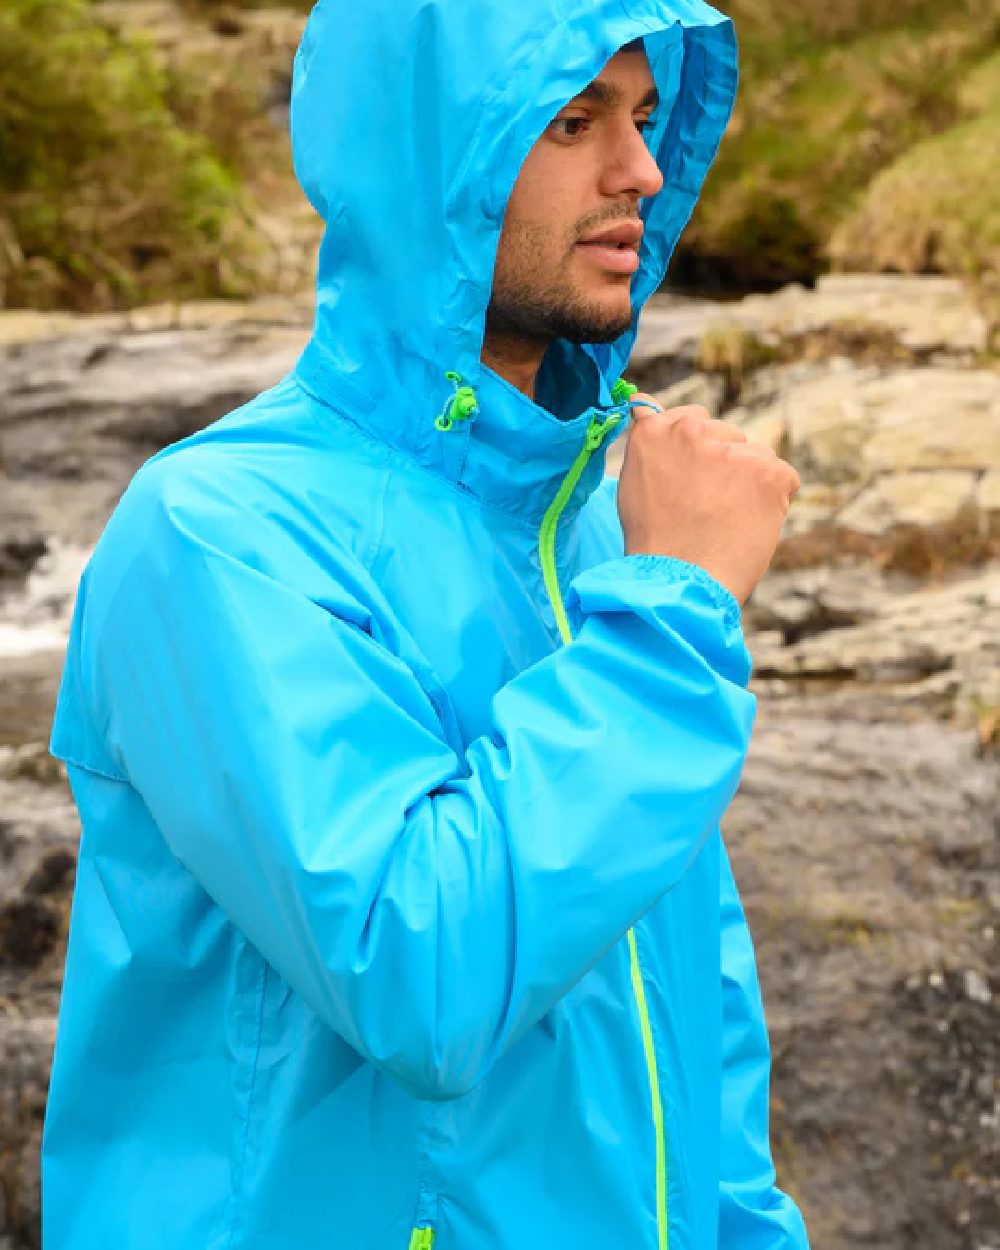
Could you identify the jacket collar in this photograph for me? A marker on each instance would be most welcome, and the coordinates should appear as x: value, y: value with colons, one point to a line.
x: 510, y: 452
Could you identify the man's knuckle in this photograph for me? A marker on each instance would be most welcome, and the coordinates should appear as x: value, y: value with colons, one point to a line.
x: 690, y: 422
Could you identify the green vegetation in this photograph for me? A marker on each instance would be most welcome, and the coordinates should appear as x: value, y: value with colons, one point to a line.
x: 832, y: 96
x: 936, y: 209
x: 142, y: 167
x: 110, y: 194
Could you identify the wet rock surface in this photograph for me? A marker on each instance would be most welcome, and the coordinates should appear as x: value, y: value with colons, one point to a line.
x: 866, y: 854
x: 864, y: 834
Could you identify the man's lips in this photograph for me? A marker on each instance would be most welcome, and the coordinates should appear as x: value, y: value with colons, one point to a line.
x: 616, y: 247
x: 618, y: 234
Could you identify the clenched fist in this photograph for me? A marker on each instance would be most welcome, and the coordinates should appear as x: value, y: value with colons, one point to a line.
x: 694, y: 488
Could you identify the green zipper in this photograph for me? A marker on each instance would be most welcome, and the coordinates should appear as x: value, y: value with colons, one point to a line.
x: 422, y: 1239
x: 596, y: 433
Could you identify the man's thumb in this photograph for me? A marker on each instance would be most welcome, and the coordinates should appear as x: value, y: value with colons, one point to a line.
x: 643, y: 406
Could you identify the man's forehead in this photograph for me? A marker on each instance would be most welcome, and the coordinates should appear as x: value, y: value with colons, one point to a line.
x: 625, y: 80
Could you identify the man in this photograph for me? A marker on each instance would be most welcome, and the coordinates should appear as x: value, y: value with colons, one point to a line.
x: 402, y: 916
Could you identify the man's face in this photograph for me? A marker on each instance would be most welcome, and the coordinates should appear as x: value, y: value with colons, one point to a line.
x: 585, y: 175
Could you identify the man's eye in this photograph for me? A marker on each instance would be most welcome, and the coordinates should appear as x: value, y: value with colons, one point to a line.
x: 570, y: 121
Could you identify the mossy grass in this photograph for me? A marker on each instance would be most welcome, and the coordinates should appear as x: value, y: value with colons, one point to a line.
x: 864, y: 137
x: 832, y: 96
x: 107, y: 199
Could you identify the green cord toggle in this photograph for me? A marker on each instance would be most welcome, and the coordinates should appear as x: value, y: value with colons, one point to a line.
x: 622, y: 391
x: 460, y: 406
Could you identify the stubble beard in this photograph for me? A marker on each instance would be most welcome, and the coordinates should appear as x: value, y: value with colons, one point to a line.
x: 532, y: 304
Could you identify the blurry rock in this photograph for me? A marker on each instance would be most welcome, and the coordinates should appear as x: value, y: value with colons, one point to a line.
x: 26, y: 1045
x: 701, y: 389
x: 886, y: 316
x: 937, y: 645
x: 939, y: 418
x: 80, y: 412
x: 924, y: 314
x: 814, y: 600
x: 917, y: 498
x: 865, y: 852
x: 988, y: 492
x: 817, y: 503
x: 841, y: 422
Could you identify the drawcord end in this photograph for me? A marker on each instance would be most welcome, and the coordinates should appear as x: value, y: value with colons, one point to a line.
x: 460, y: 406
x: 622, y: 391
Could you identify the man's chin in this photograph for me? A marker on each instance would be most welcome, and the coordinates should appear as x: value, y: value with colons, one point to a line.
x: 584, y: 319
x: 600, y: 319
x: 597, y: 330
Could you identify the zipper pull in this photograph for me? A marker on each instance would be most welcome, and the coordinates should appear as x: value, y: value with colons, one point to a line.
x: 597, y: 431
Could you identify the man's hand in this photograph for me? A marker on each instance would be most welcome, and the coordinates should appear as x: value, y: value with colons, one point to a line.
x: 694, y: 488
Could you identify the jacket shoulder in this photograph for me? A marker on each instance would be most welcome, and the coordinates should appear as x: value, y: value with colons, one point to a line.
x: 251, y: 492
x: 268, y: 485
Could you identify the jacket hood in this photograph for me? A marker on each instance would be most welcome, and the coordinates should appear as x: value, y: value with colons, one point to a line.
x: 410, y: 121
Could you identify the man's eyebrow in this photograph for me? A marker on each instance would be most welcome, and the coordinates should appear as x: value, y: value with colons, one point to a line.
x: 611, y: 96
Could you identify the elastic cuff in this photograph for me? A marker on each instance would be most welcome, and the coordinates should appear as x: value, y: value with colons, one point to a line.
x: 672, y: 569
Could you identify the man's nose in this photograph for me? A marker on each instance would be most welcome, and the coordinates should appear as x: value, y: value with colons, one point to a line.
x: 632, y: 167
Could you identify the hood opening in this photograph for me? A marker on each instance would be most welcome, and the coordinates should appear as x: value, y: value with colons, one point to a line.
x: 410, y: 122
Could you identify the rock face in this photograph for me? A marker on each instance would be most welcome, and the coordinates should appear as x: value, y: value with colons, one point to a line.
x: 864, y: 832
x: 38, y: 833
x: 883, y: 446
x: 917, y: 317
x: 888, y: 573
x: 83, y: 401
x: 866, y: 855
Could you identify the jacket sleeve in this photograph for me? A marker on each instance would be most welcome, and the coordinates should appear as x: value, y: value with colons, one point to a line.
x: 754, y: 1214
x: 430, y: 904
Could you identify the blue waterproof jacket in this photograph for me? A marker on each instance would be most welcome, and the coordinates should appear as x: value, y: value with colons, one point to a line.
x: 402, y: 916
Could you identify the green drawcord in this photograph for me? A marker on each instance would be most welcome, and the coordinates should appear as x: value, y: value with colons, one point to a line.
x: 622, y: 391
x: 464, y: 404
x: 459, y: 407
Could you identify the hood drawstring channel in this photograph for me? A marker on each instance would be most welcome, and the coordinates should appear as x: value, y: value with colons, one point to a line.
x: 464, y: 404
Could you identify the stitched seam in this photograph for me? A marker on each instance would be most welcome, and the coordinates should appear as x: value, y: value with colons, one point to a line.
x: 91, y: 768
x: 378, y: 529
x: 241, y: 1170
x: 424, y: 1190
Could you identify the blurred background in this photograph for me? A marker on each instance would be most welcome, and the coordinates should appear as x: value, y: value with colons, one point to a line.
x: 837, y: 294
